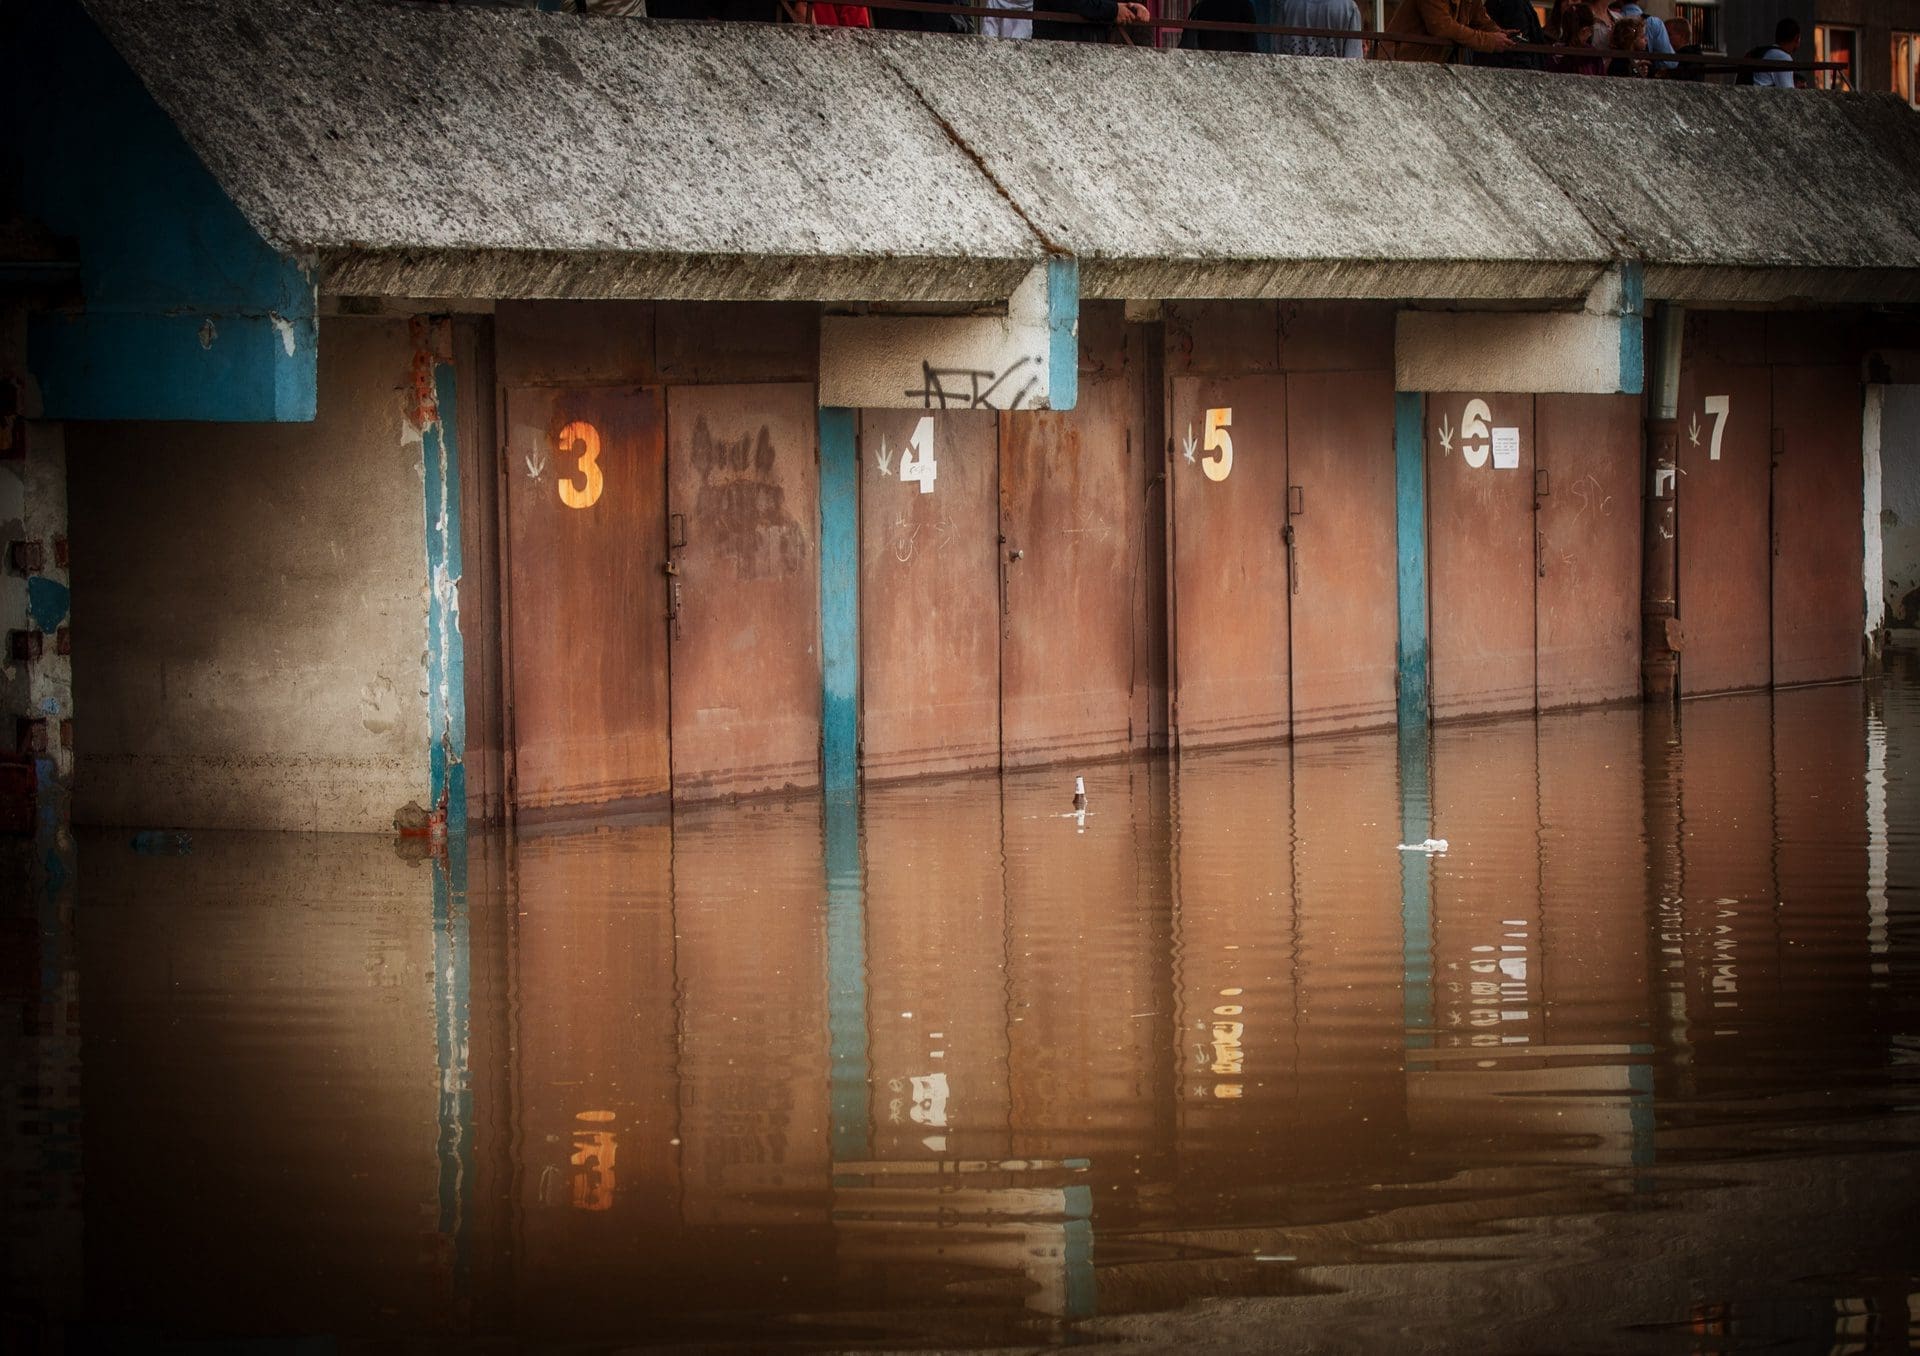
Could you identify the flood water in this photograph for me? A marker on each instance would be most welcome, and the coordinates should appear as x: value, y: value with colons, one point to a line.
x: 1632, y: 1066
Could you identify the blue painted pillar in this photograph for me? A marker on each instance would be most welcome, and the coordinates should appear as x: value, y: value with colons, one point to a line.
x: 1063, y: 332
x: 1416, y: 884
x: 1633, y: 329
x: 846, y: 982
x: 446, y: 655
x: 839, y: 601
x: 1410, y: 481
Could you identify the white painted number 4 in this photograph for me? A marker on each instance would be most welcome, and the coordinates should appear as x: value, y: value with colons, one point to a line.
x: 917, y: 463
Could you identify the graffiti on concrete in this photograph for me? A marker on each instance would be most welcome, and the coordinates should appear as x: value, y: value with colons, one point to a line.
x: 969, y: 388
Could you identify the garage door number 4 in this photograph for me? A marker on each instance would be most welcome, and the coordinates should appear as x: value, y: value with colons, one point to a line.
x: 916, y: 462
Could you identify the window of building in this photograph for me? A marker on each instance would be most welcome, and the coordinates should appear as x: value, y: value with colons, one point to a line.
x: 1835, y: 44
x: 1906, y: 59
x: 1705, y: 21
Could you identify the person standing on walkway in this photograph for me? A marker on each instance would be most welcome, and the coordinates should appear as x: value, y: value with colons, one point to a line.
x: 1464, y: 23
x: 1786, y: 41
x: 1343, y: 14
x: 1103, y: 14
x: 1659, y: 41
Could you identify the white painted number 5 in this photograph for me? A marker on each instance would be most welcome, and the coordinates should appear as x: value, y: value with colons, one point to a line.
x: 1717, y: 409
x: 917, y: 463
x: 1220, y: 441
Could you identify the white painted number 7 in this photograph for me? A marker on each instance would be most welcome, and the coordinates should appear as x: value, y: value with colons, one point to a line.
x: 917, y: 463
x: 1220, y: 441
x: 1717, y: 407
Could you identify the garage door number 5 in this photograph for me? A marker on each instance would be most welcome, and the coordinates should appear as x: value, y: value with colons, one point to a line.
x: 1218, y: 441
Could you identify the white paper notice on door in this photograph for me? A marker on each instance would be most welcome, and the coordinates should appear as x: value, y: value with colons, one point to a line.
x: 1506, y: 449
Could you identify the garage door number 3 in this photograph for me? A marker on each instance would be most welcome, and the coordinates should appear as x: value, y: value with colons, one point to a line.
x: 581, y: 440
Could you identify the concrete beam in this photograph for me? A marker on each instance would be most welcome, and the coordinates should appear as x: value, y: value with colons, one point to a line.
x: 1027, y: 359
x: 1598, y: 350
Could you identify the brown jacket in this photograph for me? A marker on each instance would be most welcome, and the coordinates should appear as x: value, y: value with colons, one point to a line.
x: 1464, y: 21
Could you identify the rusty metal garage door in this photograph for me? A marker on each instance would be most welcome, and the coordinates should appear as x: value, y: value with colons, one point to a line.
x: 929, y: 592
x: 1587, y: 478
x: 743, y: 535
x: 1479, y: 449
x: 1070, y: 550
x: 1819, y: 601
x: 1724, y: 573
x: 1345, y: 581
x: 1230, y: 578
x: 587, y: 600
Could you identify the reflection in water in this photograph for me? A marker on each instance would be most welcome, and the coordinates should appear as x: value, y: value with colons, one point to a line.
x: 1631, y: 1066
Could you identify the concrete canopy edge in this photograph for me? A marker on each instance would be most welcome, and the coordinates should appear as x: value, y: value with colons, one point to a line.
x: 467, y: 150
x: 531, y: 275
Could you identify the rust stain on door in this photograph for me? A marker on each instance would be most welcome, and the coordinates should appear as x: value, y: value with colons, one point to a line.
x: 1587, y: 450
x: 1819, y: 602
x: 1071, y: 530
x: 929, y: 594
x: 1345, y: 603
x: 1724, y: 574
x: 1481, y: 551
x: 1231, y: 594
x: 743, y: 499
x: 588, y: 633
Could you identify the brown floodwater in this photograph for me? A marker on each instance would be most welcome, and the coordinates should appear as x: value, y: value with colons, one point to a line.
x: 1632, y: 1066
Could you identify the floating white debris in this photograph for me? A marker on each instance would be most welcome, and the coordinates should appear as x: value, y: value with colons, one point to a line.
x: 1431, y: 846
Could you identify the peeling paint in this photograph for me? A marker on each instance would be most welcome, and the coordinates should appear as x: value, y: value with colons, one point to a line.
x: 284, y: 328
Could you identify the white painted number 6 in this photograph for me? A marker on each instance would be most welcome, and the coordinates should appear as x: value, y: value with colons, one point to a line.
x: 1220, y: 441
x: 1474, y: 434
x: 916, y: 462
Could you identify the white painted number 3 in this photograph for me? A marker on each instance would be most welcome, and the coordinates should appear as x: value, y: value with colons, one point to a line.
x: 917, y: 463
x: 1218, y: 441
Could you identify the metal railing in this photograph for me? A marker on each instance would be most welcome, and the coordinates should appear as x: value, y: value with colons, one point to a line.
x: 1375, y: 38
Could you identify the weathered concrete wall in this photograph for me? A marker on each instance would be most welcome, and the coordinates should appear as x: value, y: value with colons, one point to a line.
x: 255, y: 618
x: 1900, y: 502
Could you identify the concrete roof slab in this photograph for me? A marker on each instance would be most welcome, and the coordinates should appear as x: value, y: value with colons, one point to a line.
x: 386, y: 127
x: 1204, y: 162
x: 1743, y: 182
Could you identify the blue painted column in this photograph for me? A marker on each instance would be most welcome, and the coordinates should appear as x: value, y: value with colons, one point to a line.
x: 848, y: 1077
x: 1633, y: 328
x: 446, y: 655
x: 1063, y: 332
x: 1410, y: 481
x: 839, y: 601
